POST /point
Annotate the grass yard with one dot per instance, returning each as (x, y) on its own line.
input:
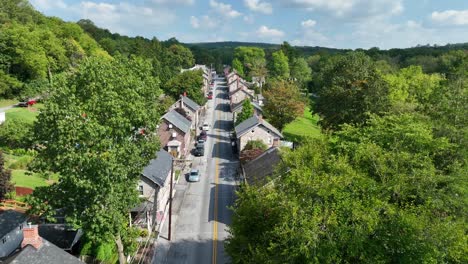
(20, 176)
(7, 102)
(304, 126)
(28, 114)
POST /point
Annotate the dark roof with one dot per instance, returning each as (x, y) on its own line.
(145, 206)
(257, 170)
(252, 122)
(60, 235)
(178, 120)
(190, 103)
(48, 253)
(9, 220)
(159, 168)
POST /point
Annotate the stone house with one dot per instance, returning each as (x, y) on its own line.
(239, 95)
(191, 109)
(11, 231)
(255, 128)
(237, 108)
(174, 133)
(154, 186)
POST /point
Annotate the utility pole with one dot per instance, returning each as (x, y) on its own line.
(170, 201)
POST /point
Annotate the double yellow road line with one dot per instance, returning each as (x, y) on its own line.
(216, 181)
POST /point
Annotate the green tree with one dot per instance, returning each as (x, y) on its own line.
(279, 67)
(289, 51)
(350, 87)
(15, 134)
(246, 113)
(256, 144)
(300, 71)
(248, 56)
(97, 132)
(237, 65)
(189, 82)
(283, 103)
(5, 179)
(180, 57)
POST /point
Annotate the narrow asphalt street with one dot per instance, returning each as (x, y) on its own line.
(201, 218)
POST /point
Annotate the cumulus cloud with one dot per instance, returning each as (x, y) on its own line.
(308, 23)
(349, 9)
(451, 17)
(265, 32)
(48, 4)
(174, 2)
(205, 22)
(224, 9)
(259, 6)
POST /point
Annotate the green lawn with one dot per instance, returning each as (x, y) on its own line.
(304, 126)
(20, 178)
(7, 102)
(28, 114)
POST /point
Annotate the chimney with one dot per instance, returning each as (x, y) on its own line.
(31, 236)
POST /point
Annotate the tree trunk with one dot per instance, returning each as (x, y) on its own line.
(120, 249)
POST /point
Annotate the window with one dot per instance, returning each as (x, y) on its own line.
(140, 189)
(21, 226)
(4, 240)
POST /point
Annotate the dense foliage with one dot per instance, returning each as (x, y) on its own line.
(189, 83)
(5, 179)
(97, 132)
(246, 112)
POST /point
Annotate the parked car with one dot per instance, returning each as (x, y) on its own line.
(200, 149)
(203, 135)
(27, 103)
(200, 141)
(206, 127)
(209, 96)
(194, 175)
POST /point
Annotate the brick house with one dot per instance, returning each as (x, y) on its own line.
(154, 186)
(255, 128)
(174, 133)
(191, 109)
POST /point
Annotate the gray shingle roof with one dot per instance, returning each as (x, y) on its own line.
(238, 107)
(60, 235)
(159, 168)
(252, 122)
(48, 253)
(257, 170)
(178, 120)
(190, 103)
(10, 220)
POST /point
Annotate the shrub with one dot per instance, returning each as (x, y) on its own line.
(15, 134)
(21, 163)
(256, 144)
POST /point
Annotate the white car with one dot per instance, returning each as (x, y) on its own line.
(206, 127)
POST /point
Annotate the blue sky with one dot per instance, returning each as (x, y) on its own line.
(330, 23)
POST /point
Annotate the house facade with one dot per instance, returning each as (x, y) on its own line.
(239, 95)
(174, 133)
(153, 186)
(11, 231)
(255, 128)
(191, 109)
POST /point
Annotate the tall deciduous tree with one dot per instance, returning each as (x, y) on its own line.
(237, 65)
(249, 56)
(5, 178)
(97, 132)
(246, 113)
(189, 82)
(279, 67)
(350, 88)
(283, 103)
(300, 71)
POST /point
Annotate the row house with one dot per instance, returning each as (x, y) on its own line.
(189, 108)
(256, 128)
(174, 133)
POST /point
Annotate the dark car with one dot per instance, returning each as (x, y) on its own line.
(203, 135)
(200, 150)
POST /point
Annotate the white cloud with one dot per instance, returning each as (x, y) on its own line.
(259, 6)
(224, 9)
(249, 19)
(48, 4)
(125, 18)
(265, 32)
(308, 23)
(205, 22)
(349, 9)
(451, 17)
(176, 2)
(194, 22)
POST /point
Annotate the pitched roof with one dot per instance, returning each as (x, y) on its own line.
(257, 170)
(252, 122)
(178, 120)
(238, 107)
(48, 253)
(242, 89)
(9, 220)
(60, 235)
(190, 103)
(159, 168)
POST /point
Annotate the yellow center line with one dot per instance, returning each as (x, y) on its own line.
(216, 180)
